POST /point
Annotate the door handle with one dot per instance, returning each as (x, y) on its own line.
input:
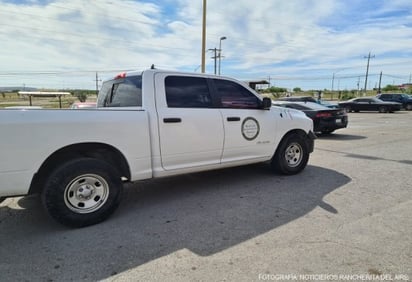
(172, 120)
(233, 119)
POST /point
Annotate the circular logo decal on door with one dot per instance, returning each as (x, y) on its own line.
(250, 128)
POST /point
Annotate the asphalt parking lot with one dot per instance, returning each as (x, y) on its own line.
(347, 217)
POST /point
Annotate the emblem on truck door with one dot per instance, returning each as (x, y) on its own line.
(250, 128)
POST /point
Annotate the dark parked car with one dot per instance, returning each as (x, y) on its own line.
(309, 99)
(404, 99)
(325, 120)
(369, 104)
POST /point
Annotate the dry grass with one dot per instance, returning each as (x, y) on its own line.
(13, 99)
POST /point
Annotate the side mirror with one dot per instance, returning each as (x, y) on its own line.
(266, 103)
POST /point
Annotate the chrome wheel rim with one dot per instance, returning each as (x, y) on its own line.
(86, 193)
(294, 154)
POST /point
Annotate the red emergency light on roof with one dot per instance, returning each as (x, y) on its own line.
(120, 75)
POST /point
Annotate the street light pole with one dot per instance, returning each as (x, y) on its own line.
(220, 50)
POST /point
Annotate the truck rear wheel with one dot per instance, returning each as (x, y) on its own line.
(82, 192)
(292, 155)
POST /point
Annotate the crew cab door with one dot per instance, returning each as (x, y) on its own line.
(190, 129)
(249, 130)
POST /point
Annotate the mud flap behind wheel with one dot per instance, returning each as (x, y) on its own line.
(311, 141)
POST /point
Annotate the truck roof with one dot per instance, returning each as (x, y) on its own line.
(137, 72)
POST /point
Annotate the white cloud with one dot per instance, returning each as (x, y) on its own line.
(283, 39)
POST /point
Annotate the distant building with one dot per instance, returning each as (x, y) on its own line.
(254, 84)
(405, 86)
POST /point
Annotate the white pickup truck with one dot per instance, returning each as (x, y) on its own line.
(147, 124)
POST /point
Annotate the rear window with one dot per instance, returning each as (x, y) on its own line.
(124, 92)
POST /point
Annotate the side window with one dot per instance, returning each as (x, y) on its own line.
(187, 92)
(125, 92)
(233, 95)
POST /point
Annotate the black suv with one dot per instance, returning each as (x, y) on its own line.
(404, 99)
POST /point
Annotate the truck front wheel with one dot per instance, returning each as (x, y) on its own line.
(292, 155)
(82, 192)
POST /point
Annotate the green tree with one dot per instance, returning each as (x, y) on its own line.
(276, 91)
(297, 89)
(390, 87)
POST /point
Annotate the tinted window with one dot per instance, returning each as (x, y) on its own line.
(313, 106)
(385, 96)
(125, 92)
(233, 95)
(187, 92)
(297, 106)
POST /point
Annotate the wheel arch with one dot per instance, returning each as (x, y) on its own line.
(100, 151)
(309, 137)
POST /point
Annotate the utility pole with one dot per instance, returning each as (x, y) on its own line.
(204, 37)
(215, 56)
(97, 83)
(380, 80)
(367, 71)
(270, 79)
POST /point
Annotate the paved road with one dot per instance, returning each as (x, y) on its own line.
(349, 213)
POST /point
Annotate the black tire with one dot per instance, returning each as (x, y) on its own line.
(82, 192)
(348, 109)
(382, 109)
(292, 155)
(408, 107)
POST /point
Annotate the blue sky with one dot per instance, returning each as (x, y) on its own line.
(296, 43)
